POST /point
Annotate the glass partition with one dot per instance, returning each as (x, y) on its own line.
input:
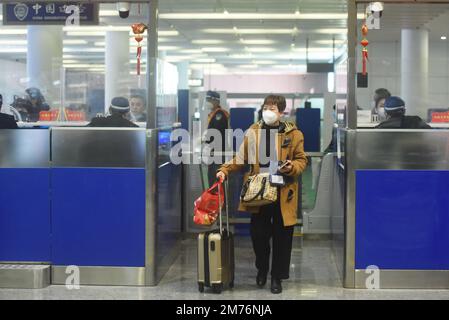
(68, 74)
(405, 56)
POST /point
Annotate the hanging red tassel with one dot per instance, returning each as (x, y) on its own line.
(138, 30)
(364, 43)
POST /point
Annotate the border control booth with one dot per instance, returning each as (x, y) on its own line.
(99, 199)
(391, 219)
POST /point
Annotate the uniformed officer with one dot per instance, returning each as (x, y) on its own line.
(218, 119)
(119, 110)
(6, 121)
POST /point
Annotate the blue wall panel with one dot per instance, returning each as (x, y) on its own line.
(25, 215)
(240, 118)
(402, 219)
(308, 121)
(98, 216)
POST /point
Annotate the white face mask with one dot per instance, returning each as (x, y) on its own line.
(381, 114)
(269, 117)
(209, 105)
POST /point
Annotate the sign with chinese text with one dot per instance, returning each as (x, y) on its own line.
(44, 13)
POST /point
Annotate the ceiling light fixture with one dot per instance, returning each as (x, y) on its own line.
(207, 41)
(256, 16)
(214, 49)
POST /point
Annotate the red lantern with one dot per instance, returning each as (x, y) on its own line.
(364, 43)
(138, 30)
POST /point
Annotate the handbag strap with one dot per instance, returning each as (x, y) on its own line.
(261, 191)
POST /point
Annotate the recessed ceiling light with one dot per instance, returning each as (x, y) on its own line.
(207, 41)
(261, 49)
(257, 41)
(168, 33)
(256, 16)
(205, 60)
(248, 31)
(215, 49)
(13, 31)
(167, 48)
(443, 37)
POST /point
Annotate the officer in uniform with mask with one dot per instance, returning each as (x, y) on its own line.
(218, 119)
(119, 110)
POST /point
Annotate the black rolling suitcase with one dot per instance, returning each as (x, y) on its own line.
(216, 256)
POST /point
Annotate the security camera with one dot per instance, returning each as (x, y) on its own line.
(376, 7)
(123, 9)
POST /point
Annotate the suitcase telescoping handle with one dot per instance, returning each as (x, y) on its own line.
(225, 186)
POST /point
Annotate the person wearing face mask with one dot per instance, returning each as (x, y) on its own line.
(266, 144)
(218, 119)
(380, 95)
(396, 118)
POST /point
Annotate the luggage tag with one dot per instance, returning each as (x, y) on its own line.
(275, 179)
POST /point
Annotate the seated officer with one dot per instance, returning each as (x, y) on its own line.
(118, 110)
(396, 118)
(6, 121)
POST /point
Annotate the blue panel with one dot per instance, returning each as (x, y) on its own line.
(183, 108)
(25, 215)
(241, 118)
(98, 217)
(308, 121)
(402, 219)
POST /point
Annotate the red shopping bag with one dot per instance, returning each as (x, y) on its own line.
(207, 206)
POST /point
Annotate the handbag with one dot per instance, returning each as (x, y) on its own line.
(207, 206)
(258, 191)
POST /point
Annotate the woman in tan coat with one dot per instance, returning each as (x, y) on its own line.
(267, 144)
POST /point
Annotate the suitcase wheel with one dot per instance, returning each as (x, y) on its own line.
(217, 288)
(201, 287)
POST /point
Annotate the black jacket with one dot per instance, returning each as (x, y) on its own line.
(7, 121)
(219, 120)
(115, 120)
(404, 122)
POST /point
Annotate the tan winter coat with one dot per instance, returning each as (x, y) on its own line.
(291, 141)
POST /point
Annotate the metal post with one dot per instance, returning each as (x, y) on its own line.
(151, 207)
(152, 55)
(351, 124)
(351, 108)
(152, 148)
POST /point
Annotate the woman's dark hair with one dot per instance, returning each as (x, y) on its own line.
(276, 100)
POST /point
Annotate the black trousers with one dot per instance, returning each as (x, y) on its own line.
(265, 225)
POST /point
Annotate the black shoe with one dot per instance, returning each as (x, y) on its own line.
(276, 286)
(261, 279)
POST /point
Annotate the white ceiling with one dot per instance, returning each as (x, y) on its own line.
(212, 34)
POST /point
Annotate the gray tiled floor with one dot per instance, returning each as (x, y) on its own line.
(313, 276)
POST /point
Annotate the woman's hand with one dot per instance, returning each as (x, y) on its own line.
(221, 176)
(287, 168)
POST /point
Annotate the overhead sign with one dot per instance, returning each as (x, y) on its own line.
(44, 13)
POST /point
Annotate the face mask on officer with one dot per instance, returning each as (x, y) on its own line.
(209, 105)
